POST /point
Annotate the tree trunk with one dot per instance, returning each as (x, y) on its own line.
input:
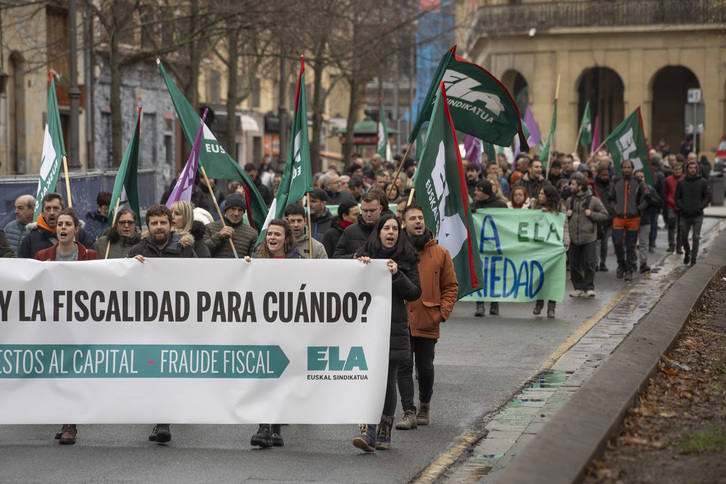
(233, 70)
(117, 124)
(350, 127)
(318, 102)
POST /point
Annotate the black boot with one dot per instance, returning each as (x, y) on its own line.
(538, 307)
(277, 435)
(263, 437)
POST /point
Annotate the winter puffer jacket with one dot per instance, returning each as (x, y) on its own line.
(583, 228)
(120, 246)
(406, 287)
(178, 246)
(692, 194)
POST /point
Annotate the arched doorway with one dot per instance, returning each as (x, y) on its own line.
(518, 88)
(603, 88)
(669, 89)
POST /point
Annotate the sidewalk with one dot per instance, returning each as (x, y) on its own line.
(560, 449)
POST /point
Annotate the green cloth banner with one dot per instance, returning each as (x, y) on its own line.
(522, 255)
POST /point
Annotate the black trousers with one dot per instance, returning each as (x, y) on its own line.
(422, 356)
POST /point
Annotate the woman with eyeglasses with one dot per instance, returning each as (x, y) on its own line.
(119, 239)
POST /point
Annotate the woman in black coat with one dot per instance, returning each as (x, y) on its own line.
(386, 242)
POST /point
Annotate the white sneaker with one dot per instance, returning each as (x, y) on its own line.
(590, 293)
(577, 293)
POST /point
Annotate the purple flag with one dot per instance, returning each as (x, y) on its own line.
(595, 135)
(531, 130)
(535, 137)
(472, 145)
(185, 184)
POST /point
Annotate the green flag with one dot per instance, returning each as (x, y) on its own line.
(545, 154)
(54, 150)
(382, 146)
(479, 104)
(440, 188)
(125, 188)
(586, 128)
(216, 162)
(297, 179)
(490, 151)
(627, 142)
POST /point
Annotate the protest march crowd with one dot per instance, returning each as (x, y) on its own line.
(599, 206)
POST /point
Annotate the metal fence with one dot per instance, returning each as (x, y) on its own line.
(84, 189)
(550, 15)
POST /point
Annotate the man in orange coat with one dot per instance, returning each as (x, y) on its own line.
(438, 294)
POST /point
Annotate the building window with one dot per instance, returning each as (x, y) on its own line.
(57, 28)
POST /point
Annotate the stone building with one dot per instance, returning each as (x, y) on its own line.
(617, 55)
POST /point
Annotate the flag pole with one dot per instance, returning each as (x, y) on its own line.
(310, 226)
(398, 171)
(108, 239)
(216, 205)
(596, 150)
(549, 155)
(577, 141)
(68, 182)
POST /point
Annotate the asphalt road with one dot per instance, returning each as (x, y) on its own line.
(480, 364)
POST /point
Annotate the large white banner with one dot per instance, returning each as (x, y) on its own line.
(193, 341)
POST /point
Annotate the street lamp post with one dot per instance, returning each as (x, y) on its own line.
(74, 93)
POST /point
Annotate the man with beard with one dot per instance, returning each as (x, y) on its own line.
(218, 233)
(41, 234)
(626, 200)
(533, 181)
(295, 216)
(162, 241)
(439, 289)
(692, 196)
(355, 236)
(472, 178)
(584, 211)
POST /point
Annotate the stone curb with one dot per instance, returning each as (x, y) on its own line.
(580, 431)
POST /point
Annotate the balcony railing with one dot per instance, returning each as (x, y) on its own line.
(544, 16)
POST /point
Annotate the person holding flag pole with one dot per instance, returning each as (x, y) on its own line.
(125, 188)
(480, 105)
(185, 184)
(213, 157)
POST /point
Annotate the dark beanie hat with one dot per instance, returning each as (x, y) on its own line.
(319, 194)
(485, 186)
(235, 199)
(556, 163)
